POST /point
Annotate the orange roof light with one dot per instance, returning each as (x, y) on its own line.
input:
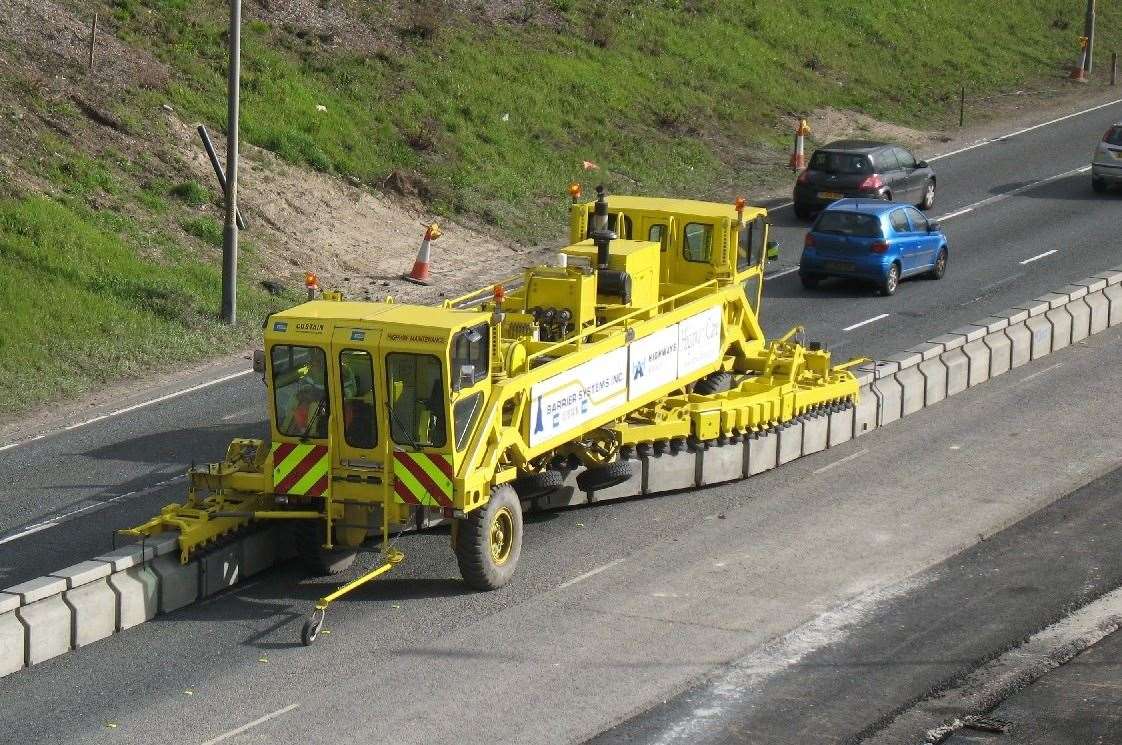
(500, 294)
(574, 191)
(310, 280)
(741, 202)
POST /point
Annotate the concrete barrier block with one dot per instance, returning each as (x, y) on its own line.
(949, 341)
(1074, 291)
(865, 374)
(928, 350)
(1035, 308)
(137, 590)
(164, 543)
(958, 371)
(816, 434)
(94, 609)
(1061, 327)
(904, 360)
(220, 568)
(979, 356)
(1041, 332)
(671, 471)
(1093, 284)
(1113, 295)
(1054, 299)
(934, 374)
(83, 573)
(13, 643)
(47, 627)
(790, 442)
(970, 332)
(1080, 319)
(867, 412)
(8, 602)
(178, 583)
(840, 428)
(891, 395)
(1000, 352)
(719, 464)
(992, 323)
(129, 556)
(1014, 315)
(1112, 277)
(1020, 344)
(763, 453)
(885, 368)
(37, 589)
(1100, 312)
(912, 389)
(259, 551)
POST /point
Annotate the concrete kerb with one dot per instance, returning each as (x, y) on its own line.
(1080, 313)
(1061, 327)
(1041, 335)
(1113, 295)
(1099, 308)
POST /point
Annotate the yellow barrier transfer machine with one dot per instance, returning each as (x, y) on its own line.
(644, 336)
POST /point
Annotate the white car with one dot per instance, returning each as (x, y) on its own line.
(1106, 163)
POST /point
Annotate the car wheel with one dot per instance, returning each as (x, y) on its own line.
(940, 267)
(887, 196)
(891, 281)
(810, 281)
(928, 196)
(802, 211)
(1098, 185)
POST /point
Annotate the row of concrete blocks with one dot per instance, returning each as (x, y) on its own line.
(892, 388)
(48, 616)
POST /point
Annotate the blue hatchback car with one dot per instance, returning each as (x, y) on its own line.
(872, 240)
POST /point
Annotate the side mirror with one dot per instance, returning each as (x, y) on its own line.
(922, 164)
(259, 361)
(932, 226)
(466, 377)
(772, 250)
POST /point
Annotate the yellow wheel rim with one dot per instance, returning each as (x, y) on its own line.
(502, 536)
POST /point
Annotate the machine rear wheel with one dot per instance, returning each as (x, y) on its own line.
(536, 484)
(308, 537)
(488, 543)
(717, 382)
(604, 477)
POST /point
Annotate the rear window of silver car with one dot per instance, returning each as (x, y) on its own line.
(848, 223)
(843, 163)
(1113, 136)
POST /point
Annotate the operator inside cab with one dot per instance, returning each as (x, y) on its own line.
(300, 390)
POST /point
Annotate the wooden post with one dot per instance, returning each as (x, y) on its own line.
(961, 105)
(1114, 68)
(93, 35)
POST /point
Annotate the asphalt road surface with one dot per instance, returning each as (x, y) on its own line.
(684, 591)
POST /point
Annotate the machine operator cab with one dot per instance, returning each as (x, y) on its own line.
(351, 374)
(699, 241)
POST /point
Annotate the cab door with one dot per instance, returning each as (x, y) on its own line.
(659, 229)
(354, 421)
(751, 258)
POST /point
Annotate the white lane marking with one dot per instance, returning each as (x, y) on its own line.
(987, 141)
(952, 215)
(127, 409)
(92, 507)
(251, 725)
(26, 532)
(866, 322)
(1039, 256)
(1014, 192)
(838, 462)
(782, 273)
(586, 575)
(239, 414)
(1041, 372)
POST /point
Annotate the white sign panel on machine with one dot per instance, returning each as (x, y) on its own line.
(699, 340)
(653, 361)
(571, 398)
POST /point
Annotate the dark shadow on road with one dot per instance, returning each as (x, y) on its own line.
(202, 444)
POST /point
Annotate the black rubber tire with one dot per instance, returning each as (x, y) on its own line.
(308, 538)
(810, 281)
(940, 268)
(311, 630)
(536, 484)
(604, 477)
(717, 382)
(891, 282)
(928, 200)
(802, 211)
(472, 542)
(1098, 185)
(887, 196)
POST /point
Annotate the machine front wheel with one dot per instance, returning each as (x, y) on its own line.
(488, 543)
(308, 536)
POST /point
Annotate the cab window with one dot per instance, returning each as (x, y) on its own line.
(300, 391)
(470, 356)
(613, 222)
(750, 248)
(697, 242)
(416, 393)
(464, 414)
(356, 374)
(657, 234)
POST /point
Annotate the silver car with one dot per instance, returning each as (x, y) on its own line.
(1106, 163)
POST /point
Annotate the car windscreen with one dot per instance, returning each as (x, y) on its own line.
(1113, 136)
(848, 223)
(840, 163)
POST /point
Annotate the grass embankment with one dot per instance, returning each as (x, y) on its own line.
(117, 272)
(675, 96)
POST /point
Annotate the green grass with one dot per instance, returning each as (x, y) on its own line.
(670, 96)
(82, 309)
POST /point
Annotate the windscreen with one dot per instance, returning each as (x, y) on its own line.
(1113, 136)
(840, 163)
(300, 391)
(848, 223)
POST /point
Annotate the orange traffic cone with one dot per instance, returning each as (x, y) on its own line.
(1079, 73)
(420, 273)
(798, 155)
